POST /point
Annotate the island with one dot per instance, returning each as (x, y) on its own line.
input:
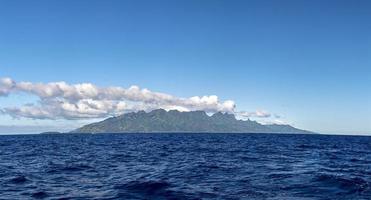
(173, 121)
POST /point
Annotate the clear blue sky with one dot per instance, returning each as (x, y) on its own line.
(309, 61)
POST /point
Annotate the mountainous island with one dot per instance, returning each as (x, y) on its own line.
(186, 122)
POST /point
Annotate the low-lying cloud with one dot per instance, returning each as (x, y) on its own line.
(258, 113)
(79, 101)
(60, 100)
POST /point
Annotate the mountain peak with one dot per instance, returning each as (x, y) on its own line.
(225, 116)
(160, 110)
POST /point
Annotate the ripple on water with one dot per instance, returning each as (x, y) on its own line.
(348, 185)
(19, 179)
(150, 189)
(53, 168)
(39, 195)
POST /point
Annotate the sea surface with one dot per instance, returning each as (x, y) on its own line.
(185, 166)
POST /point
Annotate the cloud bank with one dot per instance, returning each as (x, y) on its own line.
(60, 100)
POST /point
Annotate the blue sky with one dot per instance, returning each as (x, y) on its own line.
(306, 61)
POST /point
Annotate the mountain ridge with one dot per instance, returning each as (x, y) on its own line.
(175, 121)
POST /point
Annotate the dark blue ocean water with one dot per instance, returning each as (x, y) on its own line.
(185, 166)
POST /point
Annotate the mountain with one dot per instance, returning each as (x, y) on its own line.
(175, 121)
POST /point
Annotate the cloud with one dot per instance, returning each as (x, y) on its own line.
(258, 114)
(6, 85)
(273, 121)
(60, 100)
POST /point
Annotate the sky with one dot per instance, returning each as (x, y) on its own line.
(304, 63)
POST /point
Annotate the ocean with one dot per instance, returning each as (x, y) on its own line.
(185, 166)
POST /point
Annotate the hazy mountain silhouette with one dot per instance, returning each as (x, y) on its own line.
(175, 121)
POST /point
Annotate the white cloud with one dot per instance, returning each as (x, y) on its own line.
(258, 114)
(60, 100)
(6, 85)
(273, 121)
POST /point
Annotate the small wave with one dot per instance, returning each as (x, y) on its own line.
(68, 168)
(306, 146)
(76, 168)
(145, 186)
(208, 166)
(150, 190)
(352, 185)
(279, 175)
(18, 179)
(39, 195)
